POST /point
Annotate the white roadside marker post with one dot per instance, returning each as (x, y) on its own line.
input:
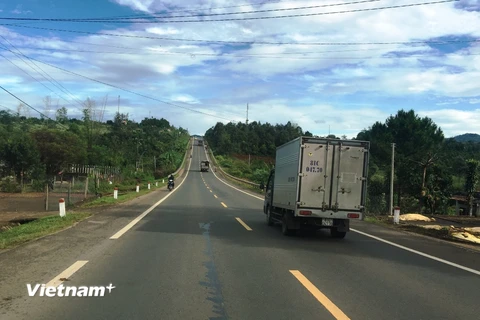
(61, 207)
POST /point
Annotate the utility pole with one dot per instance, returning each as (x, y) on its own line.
(391, 178)
(248, 143)
(118, 107)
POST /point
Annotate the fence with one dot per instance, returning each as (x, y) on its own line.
(89, 170)
(76, 190)
(74, 187)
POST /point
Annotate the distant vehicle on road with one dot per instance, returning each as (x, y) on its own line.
(204, 166)
(317, 183)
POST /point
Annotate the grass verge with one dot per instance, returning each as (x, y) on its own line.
(39, 228)
(436, 233)
(108, 200)
(245, 186)
(444, 233)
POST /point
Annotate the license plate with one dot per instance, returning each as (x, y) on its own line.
(327, 222)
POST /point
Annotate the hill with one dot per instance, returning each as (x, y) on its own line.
(467, 137)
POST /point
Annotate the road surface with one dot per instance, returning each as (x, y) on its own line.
(206, 252)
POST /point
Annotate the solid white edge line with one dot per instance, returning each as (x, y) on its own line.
(140, 217)
(377, 238)
(251, 195)
(55, 282)
(418, 252)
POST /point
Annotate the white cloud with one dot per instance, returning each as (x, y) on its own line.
(281, 82)
(186, 98)
(454, 121)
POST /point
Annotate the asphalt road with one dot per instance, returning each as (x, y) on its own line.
(206, 252)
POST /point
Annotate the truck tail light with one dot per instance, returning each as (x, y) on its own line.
(305, 213)
(353, 215)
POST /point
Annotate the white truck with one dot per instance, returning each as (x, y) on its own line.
(318, 183)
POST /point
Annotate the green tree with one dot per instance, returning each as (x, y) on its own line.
(418, 145)
(58, 148)
(471, 182)
(61, 115)
(20, 154)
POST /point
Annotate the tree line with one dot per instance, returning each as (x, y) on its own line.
(39, 148)
(429, 168)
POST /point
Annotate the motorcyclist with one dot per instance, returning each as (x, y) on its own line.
(171, 179)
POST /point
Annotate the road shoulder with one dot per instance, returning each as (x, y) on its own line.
(40, 260)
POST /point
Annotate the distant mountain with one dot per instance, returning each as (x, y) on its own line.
(467, 137)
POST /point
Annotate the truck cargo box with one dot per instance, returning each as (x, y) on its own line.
(317, 173)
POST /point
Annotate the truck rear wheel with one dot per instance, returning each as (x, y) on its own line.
(334, 233)
(285, 230)
(269, 216)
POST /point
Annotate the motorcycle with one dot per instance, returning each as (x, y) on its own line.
(170, 184)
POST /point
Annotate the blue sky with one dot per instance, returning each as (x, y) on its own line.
(339, 70)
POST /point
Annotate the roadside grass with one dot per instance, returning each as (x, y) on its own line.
(444, 233)
(246, 186)
(372, 219)
(108, 200)
(38, 228)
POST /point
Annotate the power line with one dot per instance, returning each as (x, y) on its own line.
(300, 15)
(194, 53)
(30, 106)
(59, 86)
(281, 55)
(203, 9)
(44, 85)
(120, 20)
(255, 18)
(130, 91)
(437, 42)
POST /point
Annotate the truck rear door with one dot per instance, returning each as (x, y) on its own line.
(350, 174)
(316, 164)
(333, 175)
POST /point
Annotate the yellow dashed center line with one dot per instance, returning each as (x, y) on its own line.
(244, 224)
(215, 196)
(223, 204)
(211, 191)
(329, 305)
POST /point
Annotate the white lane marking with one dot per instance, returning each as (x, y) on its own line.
(251, 195)
(381, 240)
(418, 252)
(140, 217)
(66, 273)
(243, 224)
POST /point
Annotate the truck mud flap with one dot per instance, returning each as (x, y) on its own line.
(342, 225)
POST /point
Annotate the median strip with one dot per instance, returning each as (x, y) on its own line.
(66, 274)
(327, 303)
(244, 224)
